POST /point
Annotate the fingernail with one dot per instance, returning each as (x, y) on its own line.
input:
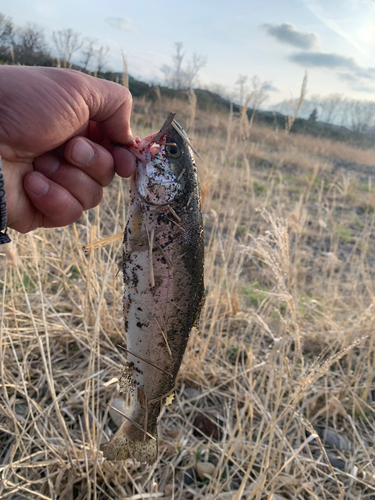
(47, 164)
(82, 153)
(37, 184)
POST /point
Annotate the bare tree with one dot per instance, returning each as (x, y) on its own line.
(362, 115)
(29, 45)
(31, 38)
(88, 52)
(167, 71)
(332, 104)
(6, 34)
(194, 65)
(173, 74)
(101, 56)
(177, 59)
(178, 77)
(257, 96)
(260, 92)
(343, 114)
(328, 106)
(67, 42)
(242, 88)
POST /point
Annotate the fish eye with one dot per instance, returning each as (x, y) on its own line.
(173, 150)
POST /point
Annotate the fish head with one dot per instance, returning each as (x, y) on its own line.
(159, 175)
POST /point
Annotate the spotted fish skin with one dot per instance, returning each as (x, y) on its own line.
(164, 288)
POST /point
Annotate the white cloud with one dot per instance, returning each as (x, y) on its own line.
(120, 23)
(288, 33)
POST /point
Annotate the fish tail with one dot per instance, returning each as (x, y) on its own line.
(122, 447)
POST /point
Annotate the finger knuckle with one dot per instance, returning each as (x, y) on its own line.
(95, 198)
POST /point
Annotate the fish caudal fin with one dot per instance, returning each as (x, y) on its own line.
(122, 447)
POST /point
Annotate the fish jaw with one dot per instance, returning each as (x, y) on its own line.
(154, 177)
(155, 180)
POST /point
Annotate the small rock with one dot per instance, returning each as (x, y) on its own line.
(191, 393)
(189, 477)
(204, 470)
(335, 460)
(173, 433)
(333, 438)
(120, 405)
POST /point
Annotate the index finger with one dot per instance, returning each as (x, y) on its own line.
(112, 111)
(108, 103)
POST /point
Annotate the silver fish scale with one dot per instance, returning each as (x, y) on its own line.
(164, 293)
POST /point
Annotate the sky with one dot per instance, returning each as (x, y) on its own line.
(274, 39)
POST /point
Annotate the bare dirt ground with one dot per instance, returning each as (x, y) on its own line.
(276, 395)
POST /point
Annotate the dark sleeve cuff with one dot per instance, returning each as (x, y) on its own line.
(4, 238)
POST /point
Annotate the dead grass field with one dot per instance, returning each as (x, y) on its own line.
(276, 395)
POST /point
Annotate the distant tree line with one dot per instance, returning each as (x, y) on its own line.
(24, 45)
(334, 109)
(28, 45)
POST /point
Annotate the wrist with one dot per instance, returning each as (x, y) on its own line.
(4, 238)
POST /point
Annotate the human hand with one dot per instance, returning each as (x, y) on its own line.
(58, 130)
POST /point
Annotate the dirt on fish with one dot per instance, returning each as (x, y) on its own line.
(163, 276)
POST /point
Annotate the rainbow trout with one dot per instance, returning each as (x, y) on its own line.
(163, 276)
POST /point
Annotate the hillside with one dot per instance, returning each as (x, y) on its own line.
(212, 102)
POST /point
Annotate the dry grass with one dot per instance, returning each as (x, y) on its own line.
(291, 119)
(285, 348)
